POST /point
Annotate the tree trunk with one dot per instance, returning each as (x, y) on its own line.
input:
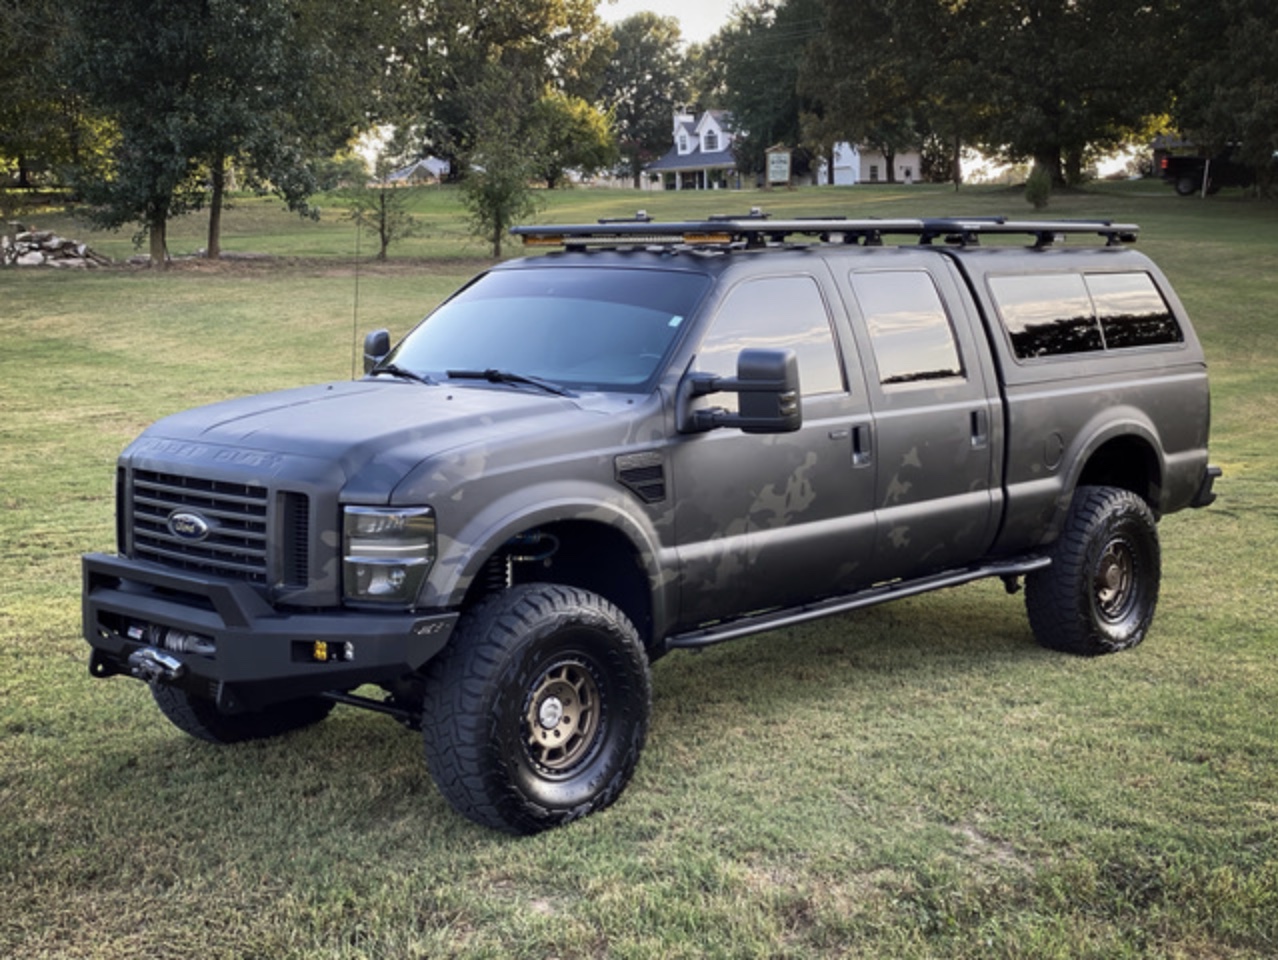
(1049, 159)
(157, 229)
(1074, 167)
(213, 251)
(957, 168)
(889, 161)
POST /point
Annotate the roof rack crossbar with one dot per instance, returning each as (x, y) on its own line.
(757, 230)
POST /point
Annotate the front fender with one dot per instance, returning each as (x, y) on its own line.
(463, 553)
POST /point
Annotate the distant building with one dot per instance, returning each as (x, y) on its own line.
(854, 164)
(701, 158)
(426, 170)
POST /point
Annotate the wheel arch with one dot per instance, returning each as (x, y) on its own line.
(597, 543)
(1124, 452)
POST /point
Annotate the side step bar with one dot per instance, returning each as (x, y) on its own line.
(789, 616)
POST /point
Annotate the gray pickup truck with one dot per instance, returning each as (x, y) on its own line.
(657, 436)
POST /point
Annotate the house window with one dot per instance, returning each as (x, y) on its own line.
(683, 143)
(874, 171)
(711, 140)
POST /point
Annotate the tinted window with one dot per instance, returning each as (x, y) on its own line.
(1131, 310)
(1047, 315)
(908, 326)
(588, 328)
(773, 313)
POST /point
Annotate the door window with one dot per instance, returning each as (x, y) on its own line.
(909, 328)
(774, 313)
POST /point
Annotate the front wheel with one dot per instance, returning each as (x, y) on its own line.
(1099, 594)
(536, 712)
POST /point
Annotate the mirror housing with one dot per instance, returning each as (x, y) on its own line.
(767, 383)
(376, 346)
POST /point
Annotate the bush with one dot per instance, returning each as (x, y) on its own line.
(1038, 187)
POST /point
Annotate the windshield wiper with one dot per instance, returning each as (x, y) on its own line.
(506, 376)
(395, 370)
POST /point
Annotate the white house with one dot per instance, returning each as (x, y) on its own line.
(854, 164)
(701, 158)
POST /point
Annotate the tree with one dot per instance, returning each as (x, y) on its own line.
(382, 210)
(1229, 93)
(446, 48)
(39, 124)
(642, 86)
(895, 74)
(193, 87)
(564, 132)
(762, 49)
(1063, 79)
(496, 190)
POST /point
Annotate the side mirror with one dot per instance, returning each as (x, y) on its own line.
(767, 383)
(376, 345)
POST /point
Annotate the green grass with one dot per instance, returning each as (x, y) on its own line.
(915, 780)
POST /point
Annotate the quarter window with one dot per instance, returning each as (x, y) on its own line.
(1049, 315)
(909, 328)
(774, 313)
(1131, 310)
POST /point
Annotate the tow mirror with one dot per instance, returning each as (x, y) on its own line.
(376, 345)
(767, 383)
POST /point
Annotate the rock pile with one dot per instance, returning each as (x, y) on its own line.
(43, 248)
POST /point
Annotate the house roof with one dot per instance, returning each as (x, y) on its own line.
(695, 159)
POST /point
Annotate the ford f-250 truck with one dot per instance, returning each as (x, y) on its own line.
(661, 436)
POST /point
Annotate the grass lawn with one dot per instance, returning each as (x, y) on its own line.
(916, 780)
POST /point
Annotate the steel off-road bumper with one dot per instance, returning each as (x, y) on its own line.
(221, 640)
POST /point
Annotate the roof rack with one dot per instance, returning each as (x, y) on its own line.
(757, 230)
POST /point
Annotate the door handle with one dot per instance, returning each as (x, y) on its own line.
(980, 429)
(862, 445)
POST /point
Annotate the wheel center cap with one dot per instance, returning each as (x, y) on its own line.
(550, 713)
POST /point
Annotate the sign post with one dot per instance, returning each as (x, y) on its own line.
(778, 166)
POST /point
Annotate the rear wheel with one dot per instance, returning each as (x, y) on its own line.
(1188, 186)
(203, 720)
(1099, 594)
(537, 711)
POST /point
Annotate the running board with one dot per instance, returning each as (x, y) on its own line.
(789, 616)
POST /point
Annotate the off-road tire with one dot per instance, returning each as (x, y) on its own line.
(536, 712)
(203, 720)
(1099, 594)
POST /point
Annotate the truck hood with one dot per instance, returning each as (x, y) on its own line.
(371, 432)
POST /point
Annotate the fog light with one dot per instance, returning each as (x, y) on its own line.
(319, 650)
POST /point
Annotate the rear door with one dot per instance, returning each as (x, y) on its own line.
(936, 416)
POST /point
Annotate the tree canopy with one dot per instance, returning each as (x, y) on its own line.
(641, 86)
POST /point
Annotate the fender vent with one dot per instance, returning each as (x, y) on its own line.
(644, 475)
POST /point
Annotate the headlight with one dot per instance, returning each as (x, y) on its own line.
(386, 552)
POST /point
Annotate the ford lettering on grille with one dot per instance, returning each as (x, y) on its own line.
(188, 526)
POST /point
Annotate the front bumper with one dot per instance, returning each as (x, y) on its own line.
(249, 654)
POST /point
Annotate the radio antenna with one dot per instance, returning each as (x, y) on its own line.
(355, 308)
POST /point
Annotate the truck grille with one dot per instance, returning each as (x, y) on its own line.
(238, 521)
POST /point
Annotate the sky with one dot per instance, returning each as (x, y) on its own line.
(699, 20)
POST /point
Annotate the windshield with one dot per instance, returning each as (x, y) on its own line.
(588, 328)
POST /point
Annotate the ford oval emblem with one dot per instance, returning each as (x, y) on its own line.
(186, 525)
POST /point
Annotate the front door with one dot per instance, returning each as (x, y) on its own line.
(764, 521)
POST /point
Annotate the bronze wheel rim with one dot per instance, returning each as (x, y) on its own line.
(562, 719)
(1115, 581)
